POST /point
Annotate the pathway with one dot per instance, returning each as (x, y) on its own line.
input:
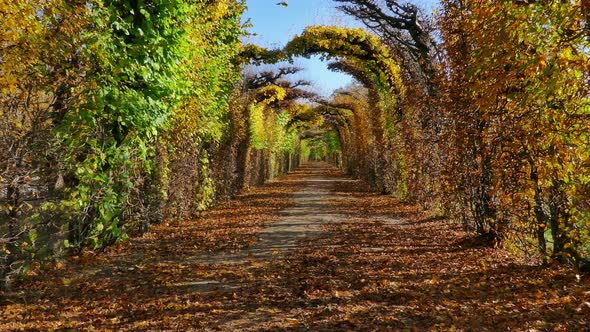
(303, 220)
(312, 251)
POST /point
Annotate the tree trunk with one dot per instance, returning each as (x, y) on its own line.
(539, 213)
(11, 218)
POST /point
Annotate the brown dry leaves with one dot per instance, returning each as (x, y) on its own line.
(385, 267)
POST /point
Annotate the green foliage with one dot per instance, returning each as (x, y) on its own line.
(202, 123)
(305, 150)
(257, 127)
(287, 137)
(332, 142)
(136, 51)
(209, 71)
(269, 130)
(105, 103)
(206, 188)
(266, 129)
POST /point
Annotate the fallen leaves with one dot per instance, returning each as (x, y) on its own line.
(362, 273)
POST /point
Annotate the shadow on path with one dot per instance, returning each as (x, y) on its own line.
(302, 221)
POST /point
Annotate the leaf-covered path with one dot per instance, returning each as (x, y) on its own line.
(311, 251)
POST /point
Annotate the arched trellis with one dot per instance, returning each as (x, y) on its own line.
(355, 45)
(341, 118)
(363, 56)
(377, 93)
(312, 122)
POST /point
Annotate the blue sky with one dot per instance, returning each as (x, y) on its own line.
(275, 25)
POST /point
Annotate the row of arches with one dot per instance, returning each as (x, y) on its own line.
(357, 115)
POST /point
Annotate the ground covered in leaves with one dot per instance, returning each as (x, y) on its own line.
(378, 265)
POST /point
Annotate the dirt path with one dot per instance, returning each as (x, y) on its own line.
(310, 210)
(312, 251)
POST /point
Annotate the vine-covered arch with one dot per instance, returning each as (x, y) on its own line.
(363, 56)
(355, 45)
